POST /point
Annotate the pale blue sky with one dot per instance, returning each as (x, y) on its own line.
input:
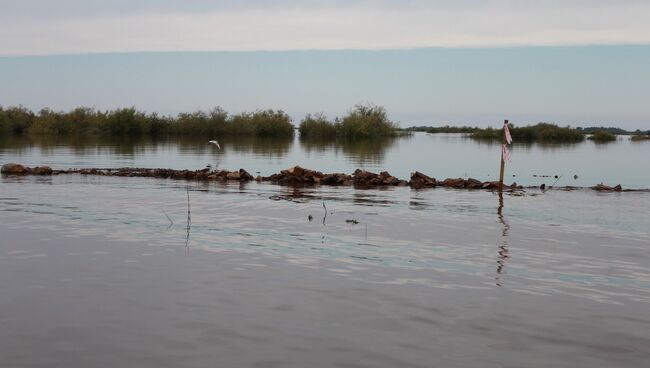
(578, 62)
(569, 85)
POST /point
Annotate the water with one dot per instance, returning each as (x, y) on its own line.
(106, 271)
(440, 155)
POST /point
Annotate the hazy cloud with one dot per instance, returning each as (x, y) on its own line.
(35, 27)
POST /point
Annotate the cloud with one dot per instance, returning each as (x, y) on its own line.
(47, 27)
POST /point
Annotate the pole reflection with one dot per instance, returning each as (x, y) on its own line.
(188, 228)
(503, 252)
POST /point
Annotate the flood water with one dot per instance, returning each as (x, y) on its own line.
(110, 271)
(438, 155)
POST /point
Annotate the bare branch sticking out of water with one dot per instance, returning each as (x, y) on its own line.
(171, 222)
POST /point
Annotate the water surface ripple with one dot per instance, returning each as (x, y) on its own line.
(102, 271)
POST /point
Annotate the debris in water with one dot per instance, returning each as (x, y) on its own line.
(310, 218)
(352, 221)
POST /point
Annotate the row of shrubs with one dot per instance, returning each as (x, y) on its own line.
(131, 122)
(543, 132)
(361, 121)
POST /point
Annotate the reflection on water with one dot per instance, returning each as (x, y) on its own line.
(189, 222)
(93, 265)
(361, 152)
(438, 155)
(503, 253)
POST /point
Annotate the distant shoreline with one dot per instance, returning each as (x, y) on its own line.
(540, 132)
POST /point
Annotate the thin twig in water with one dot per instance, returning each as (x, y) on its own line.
(556, 180)
(324, 217)
(168, 218)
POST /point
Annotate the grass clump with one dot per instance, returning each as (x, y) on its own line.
(602, 136)
(543, 132)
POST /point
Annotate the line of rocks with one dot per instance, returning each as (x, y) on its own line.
(293, 176)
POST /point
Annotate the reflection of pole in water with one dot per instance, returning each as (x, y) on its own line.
(503, 253)
(189, 222)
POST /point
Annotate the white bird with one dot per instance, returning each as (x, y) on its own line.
(215, 143)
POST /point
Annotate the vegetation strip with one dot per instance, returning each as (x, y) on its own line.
(294, 176)
(542, 132)
(362, 121)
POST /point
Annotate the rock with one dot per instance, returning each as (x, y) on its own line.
(41, 170)
(233, 175)
(473, 184)
(329, 179)
(391, 180)
(14, 169)
(606, 188)
(296, 171)
(419, 180)
(487, 185)
(366, 178)
(454, 183)
(244, 175)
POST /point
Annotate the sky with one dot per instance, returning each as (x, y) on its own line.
(578, 62)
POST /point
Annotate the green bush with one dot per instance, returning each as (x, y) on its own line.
(264, 123)
(365, 121)
(602, 136)
(131, 122)
(317, 127)
(15, 120)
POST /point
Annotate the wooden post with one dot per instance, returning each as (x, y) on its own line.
(503, 163)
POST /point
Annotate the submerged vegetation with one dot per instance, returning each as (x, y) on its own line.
(543, 132)
(442, 129)
(131, 122)
(640, 137)
(363, 121)
(602, 136)
(317, 127)
(613, 130)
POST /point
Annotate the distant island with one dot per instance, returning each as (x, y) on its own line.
(542, 132)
